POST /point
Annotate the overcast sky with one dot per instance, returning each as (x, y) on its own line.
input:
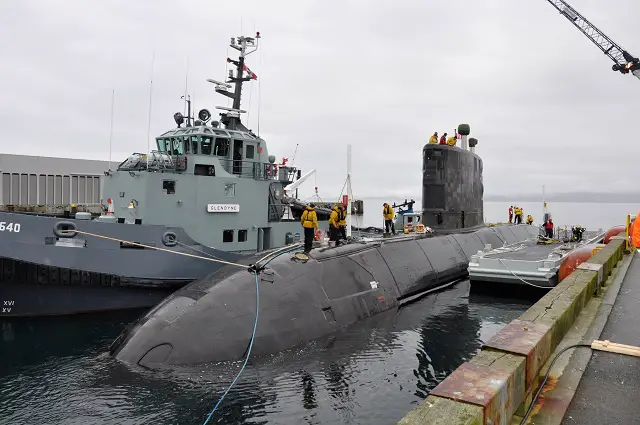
(380, 75)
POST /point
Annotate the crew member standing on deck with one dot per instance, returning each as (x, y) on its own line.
(334, 224)
(343, 222)
(443, 139)
(309, 222)
(388, 213)
(549, 227)
(434, 139)
(510, 214)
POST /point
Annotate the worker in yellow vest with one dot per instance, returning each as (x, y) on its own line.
(343, 222)
(387, 214)
(451, 141)
(434, 139)
(334, 224)
(529, 220)
(309, 222)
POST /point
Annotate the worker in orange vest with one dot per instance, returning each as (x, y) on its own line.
(549, 227)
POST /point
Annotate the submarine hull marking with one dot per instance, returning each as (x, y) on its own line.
(373, 261)
(305, 302)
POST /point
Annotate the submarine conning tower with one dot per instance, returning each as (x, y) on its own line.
(452, 187)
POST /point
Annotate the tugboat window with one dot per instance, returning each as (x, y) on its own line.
(186, 144)
(169, 186)
(221, 147)
(227, 236)
(250, 151)
(176, 147)
(242, 235)
(194, 144)
(206, 145)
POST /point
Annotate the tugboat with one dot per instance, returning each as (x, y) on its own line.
(210, 189)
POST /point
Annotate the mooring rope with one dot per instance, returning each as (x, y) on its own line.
(215, 260)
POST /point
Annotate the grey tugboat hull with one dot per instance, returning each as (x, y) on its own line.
(45, 275)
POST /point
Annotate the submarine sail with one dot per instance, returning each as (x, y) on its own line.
(452, 190)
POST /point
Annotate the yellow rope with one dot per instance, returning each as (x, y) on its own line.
(244, 266)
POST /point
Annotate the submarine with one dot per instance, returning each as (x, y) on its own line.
(306, 297)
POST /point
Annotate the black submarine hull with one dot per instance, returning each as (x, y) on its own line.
(212, 319)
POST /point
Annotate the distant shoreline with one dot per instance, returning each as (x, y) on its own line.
(591, 198)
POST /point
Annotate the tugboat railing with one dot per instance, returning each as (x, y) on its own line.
(258, 170)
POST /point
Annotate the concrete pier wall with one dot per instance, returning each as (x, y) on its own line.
(500, 380)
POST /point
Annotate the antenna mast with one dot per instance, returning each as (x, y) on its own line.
(231, 119)
(113, 96)
(348, 191)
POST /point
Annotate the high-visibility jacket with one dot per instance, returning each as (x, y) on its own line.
(334, 218)
(343, 217)
(529, 219)
(433, 139)
(451, 141)
(635, 234)
(309, 218)
(387, 212)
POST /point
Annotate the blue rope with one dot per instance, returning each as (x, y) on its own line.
(253, 336)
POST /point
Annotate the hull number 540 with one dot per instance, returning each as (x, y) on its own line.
(9, 227)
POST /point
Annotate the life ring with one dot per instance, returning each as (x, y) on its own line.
(67, 232)
(272, 170)
(317, 235)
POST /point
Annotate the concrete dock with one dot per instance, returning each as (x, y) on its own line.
(497, 386)
(609, 390)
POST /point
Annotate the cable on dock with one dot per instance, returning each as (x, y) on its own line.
(610, 347)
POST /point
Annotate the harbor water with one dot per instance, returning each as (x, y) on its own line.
(58, 371)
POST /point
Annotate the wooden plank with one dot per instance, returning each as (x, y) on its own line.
(612, 347)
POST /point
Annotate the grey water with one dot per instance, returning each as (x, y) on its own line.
(58, 371)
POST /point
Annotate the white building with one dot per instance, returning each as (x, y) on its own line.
(37, 180)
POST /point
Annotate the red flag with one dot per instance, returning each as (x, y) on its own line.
(248, 71)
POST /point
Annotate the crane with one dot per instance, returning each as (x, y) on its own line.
(624, 62)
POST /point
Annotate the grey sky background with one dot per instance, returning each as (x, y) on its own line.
(380, 75)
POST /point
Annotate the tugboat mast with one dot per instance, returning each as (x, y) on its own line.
(231, 119)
